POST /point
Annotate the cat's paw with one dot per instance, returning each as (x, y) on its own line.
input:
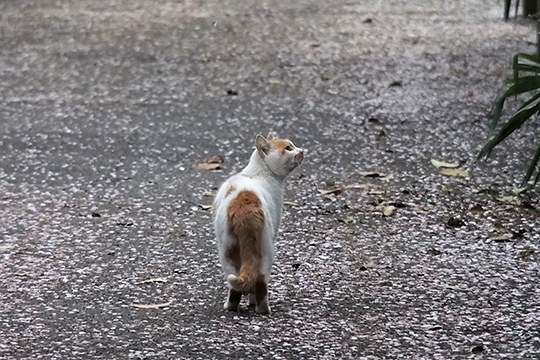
(263, 309)
(229, 306)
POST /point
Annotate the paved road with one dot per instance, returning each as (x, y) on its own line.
(107, 107)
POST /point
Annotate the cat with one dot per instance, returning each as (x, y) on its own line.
(247, 215)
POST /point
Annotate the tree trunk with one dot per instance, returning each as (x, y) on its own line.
(537, 31)
(529, 7)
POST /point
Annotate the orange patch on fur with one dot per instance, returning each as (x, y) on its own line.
(281, 145)
(246, 224)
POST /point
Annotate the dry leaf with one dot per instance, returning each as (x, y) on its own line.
(333, 191)
(212, 162)
(387, 178)
(210, 166)
(503, 238)
(387, 210)
(455, 172)
(124, 222)
(214, 159)
(527, 254)
(369, 264)
(360, 186)
(291, 203)
(517, 190)
(419, 210)
(442, 164)
(205, 207)
(447, 190)
(152, 306)
(329, 183)
(348, 220)
(399, 204)
(372, 174)
(153, 280)
(370, 188)
(488, 191)
(512, 200)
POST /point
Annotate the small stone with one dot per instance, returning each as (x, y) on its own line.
(454, 222)
(478, 349)
(477, 209)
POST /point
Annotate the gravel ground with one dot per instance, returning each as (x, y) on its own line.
(107, 108)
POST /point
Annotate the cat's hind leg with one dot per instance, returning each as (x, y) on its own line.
(252, 299)
(233, 300)
(261, 296)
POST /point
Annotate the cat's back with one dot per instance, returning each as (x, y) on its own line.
(266, 192)
(236, 184)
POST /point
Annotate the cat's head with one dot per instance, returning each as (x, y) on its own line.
(281, 156)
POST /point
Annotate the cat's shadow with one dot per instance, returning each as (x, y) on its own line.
(248, 311)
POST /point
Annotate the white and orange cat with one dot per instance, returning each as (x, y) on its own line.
(247, 214)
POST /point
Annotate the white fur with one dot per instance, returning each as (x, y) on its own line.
(264, 175)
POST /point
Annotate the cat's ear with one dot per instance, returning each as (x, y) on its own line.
(270, 137)
(263, 145)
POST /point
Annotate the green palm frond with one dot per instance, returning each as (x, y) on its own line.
(518, 85)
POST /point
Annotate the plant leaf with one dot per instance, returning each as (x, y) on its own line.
(530, 169)
(517, 86)
(537, 178)
(525, 62)
(523, 84)
(520, 116)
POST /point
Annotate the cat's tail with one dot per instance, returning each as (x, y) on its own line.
(246, 224)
